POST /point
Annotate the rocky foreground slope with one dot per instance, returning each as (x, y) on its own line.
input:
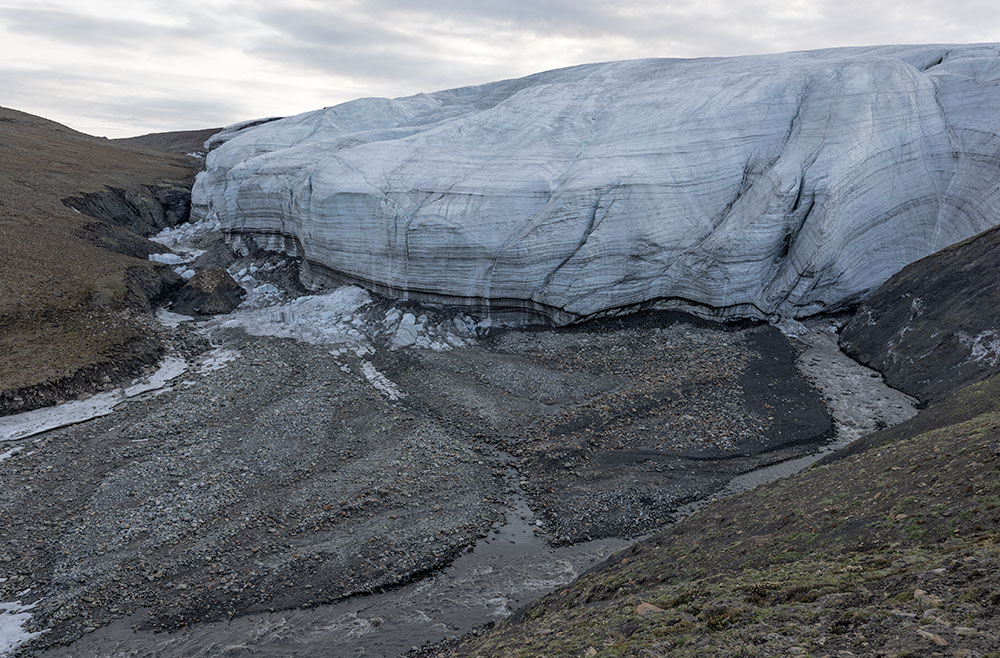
(887, 548)
(75, 283)
(782, 184)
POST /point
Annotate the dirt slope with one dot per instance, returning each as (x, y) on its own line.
(934, 326)
(72, 303)
(181, 142)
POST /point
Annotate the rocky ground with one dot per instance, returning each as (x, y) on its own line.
(932, 327)
(887, 549)
(282, 480)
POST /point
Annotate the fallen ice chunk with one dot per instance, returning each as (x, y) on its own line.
(317, 319)
(169, 259)
(381, 383)
(791, 327)
(188, 232)
(406, 333)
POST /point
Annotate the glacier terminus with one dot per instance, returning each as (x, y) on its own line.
(759, 186)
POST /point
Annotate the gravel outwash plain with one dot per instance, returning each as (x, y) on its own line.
(285, 482)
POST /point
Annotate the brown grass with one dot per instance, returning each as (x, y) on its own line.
(65, 306)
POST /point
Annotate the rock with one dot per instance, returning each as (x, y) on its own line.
(753, 186)
(217, 254)
(145, 212)
(932, 637)
(647, 609)
(209, 292)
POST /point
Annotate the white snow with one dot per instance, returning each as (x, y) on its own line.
(217, 359)
(381, 383)
(985, 347)
(8, 454)
(13, 618)
(171, 319)
(171, 368)
(169, 259)
(29, 423)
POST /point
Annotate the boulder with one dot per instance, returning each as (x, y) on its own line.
(209, 292)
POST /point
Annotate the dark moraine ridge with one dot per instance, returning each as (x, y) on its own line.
(934, 326)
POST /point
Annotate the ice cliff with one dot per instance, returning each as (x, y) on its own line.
(780, 184)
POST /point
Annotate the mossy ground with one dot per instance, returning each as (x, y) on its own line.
(893, 549)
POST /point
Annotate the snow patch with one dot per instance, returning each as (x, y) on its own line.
(985, 347)
(217, 359)
(170, 319)
(381, 383)
(13, 618)
(29, 423)
(171, 368)
(7, 455)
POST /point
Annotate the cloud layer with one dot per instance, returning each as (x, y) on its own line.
(117, 69)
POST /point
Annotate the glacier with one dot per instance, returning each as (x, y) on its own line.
(761, 186)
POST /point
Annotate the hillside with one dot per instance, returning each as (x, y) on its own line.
(74, 290)
(933, 327)
(181, 142)
(888, 548)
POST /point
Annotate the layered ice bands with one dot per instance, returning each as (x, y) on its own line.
(781, 184)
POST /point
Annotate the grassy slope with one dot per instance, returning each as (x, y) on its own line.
(68, 307)
(891, 550)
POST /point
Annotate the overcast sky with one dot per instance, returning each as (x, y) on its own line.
(123, 68)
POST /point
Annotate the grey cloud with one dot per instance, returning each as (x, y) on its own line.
(400, 46)
(69, 27)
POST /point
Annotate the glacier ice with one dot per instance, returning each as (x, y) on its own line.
(762, 186)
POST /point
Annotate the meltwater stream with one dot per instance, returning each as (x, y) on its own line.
(504, 571)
